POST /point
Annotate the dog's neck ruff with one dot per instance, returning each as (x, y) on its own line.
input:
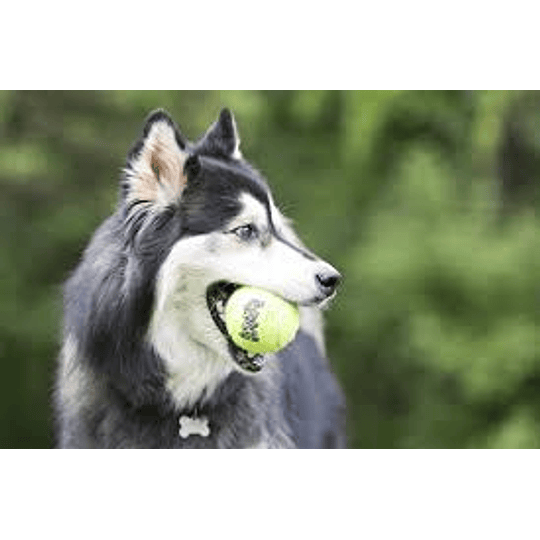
(193, 425)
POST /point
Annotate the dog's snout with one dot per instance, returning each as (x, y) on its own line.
(328, 281)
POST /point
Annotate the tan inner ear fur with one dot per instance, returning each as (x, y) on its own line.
(157, 175)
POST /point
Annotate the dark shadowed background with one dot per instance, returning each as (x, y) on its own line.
(425, 201)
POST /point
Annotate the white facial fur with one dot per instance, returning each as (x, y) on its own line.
(182, 330)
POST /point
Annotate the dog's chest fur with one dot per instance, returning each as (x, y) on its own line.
(241, 413)
(294, 402)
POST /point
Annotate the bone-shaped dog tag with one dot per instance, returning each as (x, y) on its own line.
(193, 426)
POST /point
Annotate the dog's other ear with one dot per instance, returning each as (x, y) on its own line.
(221, 139)
(154, 170)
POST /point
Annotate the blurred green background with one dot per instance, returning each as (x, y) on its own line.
(425, 201)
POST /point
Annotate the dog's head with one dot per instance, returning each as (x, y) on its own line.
(202, 221)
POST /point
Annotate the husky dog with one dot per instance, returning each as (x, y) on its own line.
(146, 360)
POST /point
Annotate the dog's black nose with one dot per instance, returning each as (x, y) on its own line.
(327, 281)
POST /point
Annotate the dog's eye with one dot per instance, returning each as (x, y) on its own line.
(246, 232)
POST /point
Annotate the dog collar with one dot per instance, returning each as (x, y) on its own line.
(193, 425)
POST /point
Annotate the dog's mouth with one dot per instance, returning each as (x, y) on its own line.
(217, 295)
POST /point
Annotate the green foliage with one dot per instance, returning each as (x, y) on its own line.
(426, 201)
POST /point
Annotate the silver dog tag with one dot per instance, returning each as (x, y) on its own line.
(196, 425)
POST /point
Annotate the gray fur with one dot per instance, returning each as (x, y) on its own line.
(294, 402)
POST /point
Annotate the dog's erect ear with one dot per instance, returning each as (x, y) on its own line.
(221, 139)
(155, 166)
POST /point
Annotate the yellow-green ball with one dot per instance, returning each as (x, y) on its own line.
(259, 321)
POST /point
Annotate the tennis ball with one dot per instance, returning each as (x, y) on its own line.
(259, 321)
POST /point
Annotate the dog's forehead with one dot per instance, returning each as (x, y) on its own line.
(240, 181)
(253, 210)
(262, 213)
